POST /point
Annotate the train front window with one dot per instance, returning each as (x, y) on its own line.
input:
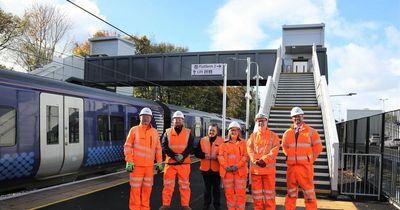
(73, 125)
(52, 118)
(102, 128)
(134, 121)
(117, 128)
(7, 126)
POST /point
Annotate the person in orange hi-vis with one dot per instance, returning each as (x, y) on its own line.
(263, 147)
(141, 147)
(301, 144)
(207, 151)
(232, 157)
(177, 143)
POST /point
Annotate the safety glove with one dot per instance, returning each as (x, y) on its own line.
(261, 163)
(207, 156)
(228, 168)
(129, 166)
(159, 166)
(234, 168)
(179, 158)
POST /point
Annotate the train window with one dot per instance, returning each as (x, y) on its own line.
(52, 119)
(73, 125)
(134, 121)
(117, 128)
(102, 128)
(7, 126)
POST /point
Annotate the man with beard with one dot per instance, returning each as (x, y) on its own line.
(177, 143)
(301, 144)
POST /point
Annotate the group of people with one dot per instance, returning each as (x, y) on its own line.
(228, 160)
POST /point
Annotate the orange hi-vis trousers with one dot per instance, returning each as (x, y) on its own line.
(235, 186)
(141, 181)
(263, 191)
(170, 172)
(300, 175)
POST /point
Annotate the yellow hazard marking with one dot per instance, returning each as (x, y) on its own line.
(76, 196)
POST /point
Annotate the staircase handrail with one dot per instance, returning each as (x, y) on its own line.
(331, 136)
(272, 85)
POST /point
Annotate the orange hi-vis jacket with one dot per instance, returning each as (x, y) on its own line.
(233, 153)
(141, 144)
(177, 143)
(264, 145)
(211, 150)
(307, 147)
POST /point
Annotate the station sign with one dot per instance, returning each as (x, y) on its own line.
(211, 69)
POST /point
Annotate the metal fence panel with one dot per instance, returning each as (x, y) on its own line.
(360, 174)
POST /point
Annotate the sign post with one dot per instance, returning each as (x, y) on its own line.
(214, 69)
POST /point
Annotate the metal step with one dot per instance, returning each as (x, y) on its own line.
(306, 116)
(286, 120)
(287, 111)
(296, 102)
(286, 125)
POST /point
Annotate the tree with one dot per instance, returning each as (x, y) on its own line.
(10, 28)
(46, 26)
(2, 67)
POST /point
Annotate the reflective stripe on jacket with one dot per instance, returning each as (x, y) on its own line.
(177, 143)
(233, 153)
(142, 145)
(212, 151)
(307, 147)
(264, 145)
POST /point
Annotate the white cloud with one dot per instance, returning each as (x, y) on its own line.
(83, 24)
(242, 24)
(363, 56)
(370, 71)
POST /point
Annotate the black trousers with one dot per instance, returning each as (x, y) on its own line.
(212, 182)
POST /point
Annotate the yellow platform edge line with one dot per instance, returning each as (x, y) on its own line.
(76, 196)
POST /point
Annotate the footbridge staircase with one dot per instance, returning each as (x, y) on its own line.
(307, 90)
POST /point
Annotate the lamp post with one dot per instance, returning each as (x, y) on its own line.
(383, 103)
(346, 94)
(340, 105)
(257, 77)
(247, 95)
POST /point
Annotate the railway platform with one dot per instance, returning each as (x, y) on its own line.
(112, 192)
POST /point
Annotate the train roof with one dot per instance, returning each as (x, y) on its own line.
(192, 111)
(34, 82)
(201, 113)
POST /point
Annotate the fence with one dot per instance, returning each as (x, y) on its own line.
(373, 136)
(360, 174)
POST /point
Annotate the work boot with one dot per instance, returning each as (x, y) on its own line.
(164, 208)
(186, 208)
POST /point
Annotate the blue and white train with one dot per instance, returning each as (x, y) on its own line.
(53, 131)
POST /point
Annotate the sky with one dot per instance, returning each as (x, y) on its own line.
(362, 37)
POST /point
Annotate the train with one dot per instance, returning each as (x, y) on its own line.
(53, 131)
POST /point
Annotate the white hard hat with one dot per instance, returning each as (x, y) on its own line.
(296, 111)
(261, 116)
(233, 124)
(178, 114)
(146, 111)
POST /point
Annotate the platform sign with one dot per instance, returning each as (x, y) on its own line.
(211, 69)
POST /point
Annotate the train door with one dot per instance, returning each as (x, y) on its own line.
(73, 134)
(61, 120)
